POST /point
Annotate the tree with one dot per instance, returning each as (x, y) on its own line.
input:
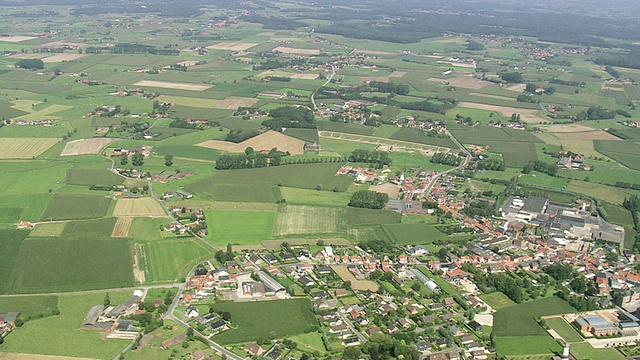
(512, 77)
(248, 151)
(168, 160)
(107, 300)
(30, 64)
(137, 159)
(124, 159)
(368, 199)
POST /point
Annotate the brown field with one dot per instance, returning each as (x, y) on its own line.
(122, 227)
(16, 356)
(527, 115)
(24, 148)
(85, 146)
(170, 85)
(234, 102)
(289, 50)
(464, 82)
(138, 207)
(398, 74)
(587, 135)
(265, 141)
(356, 284)
(17, 38)
(305, 76)
(566, 128)
(232, 46)
(62, 57)
(387, 188)
(458, 64)
(29, 56)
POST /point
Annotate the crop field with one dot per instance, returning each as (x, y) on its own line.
(24, 148)
(259, 319)
(75, 206)
(359, 217)
(603, 192)
(306, 135)
(172, 85)
(85, 146)
(236, 192)
(313, 197)
(527, 345)
(346, 275)
(232, 46)
(527, 115)
(234, 102)
(585, 351)
(519, 320)
(51, 265)
(289, 50)
(121, 227)
(29, 306)
(146, 206)
(566, 331)
(92, 177)
(463, 82)
(345, 128)
(265, 141)
(189, 101)
(91, 228)
(404, 234)
(418, 136)
(168, 260)
(10, 215)
(390, 189)
(497, 300)
(239, 227)
(627, 153)
(296, 219)
(9, 246)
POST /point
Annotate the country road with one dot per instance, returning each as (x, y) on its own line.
(333, 73)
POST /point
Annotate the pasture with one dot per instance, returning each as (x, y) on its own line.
(256, 320)
(24, 148)
(625, 152)
(29, 306)
(306, 135)
(92, 177)
(564, 329)
(346, 275)
(404, 234)
(418, 136)
(168, 260)
(239, 227)
(265, 141)
(85, 146)
(234, 102)
(519, 320)
(528, 116)
(91, 228)
(297, 219)
(76, 206)
(9, 247)
(237, 192)
(585, 351)
(359, 217)
(145, 206)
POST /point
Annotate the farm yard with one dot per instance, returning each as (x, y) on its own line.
(24, 148)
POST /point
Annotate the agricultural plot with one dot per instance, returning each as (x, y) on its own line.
(75, 206)
(62, 58)
(237, 192)
(146, 206)
(387, 188)
(259, 319)
(85, 146)
(29, 306)
(404, 234)
(24, 148)
(265, 141)
(527, 115)
(345, 128)
(16, 38)
(306, 135)
(234, 102)
(289, 50)
(232, 46)
(52, 265)
(92, 177)
(625, 152)
(463, 82)
(346, 275)
(121, 228)
(168, 260)
(497, 300)
(9, 247)
(10, 215)
(172, 85)
(92, 228)
(418, 136)
(566, 331)
(239, 227)
(359, 217)
(189, 101)
(296, 219)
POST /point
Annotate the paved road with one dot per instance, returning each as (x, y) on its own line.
(313, 94)
(466, 162)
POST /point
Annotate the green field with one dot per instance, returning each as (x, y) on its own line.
(405, 234)
(359, 217)
(497, 300)
(346, 128)
(307, 135)
(237, 192)
(564, 329)
(72, 206)
(519, 320)
(100, 228)
(57, 264)
(585, 351)
(9, 247)
(526, 345)
(92, 177)
(239, 227)
(168, 260)
(298, 219)
(256, 320)
(418, 136)
(30, 307)
(625, 152)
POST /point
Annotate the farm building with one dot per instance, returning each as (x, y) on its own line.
(92, 320)
(596, 325)
(183, 194)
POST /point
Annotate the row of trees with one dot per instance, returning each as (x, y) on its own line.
(249, 160)
(541, 166)
(380, 158)
(368, 199)
(446, 159)
(290, 117)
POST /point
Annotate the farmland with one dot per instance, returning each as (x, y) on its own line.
(24, 148)
(85, 146)
(265, 141)
(74, 206)
(356, 284)
(295, 219)
(239, 227)
(258, 320)
(138, 207)
(92, 177)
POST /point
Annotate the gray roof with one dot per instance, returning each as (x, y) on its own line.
(534, 205)
(120, 309)
(597, 322)
(92, 315)
(11, 317)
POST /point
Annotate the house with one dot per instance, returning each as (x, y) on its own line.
(192, 312)
(183, 194)
(25, 225)
(305, 281)
(254, 349)
(218, 326)
(197, 355)
(351, 342)
(341, 292)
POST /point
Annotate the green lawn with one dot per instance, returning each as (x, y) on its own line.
(585, 351)
(497, 300)
(254, 320)
(239, 227)
(72, 206)
(564, 329)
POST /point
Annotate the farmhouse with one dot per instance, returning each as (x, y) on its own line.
(128, 306)
(8, 322)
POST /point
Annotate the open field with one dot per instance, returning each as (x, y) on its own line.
(626, 153)
(259, 319)
(101, 228)
(16, 38)
(356, 284)
(390, 189)
(295, 219)
(29, 306)
(234, 102)
(497, 300)
(9, 246)
(232, 46)
(585, 351)
(92, 177)
(145, 206)
(121, 227)
(265, 141)
(527, 345)
(359, 217)
(239, 227)
(404, 234)
(238, 192)
(564, 329)
(17, 356)
(24, 148)
(289, 50)
(74, 206)
(61, 58)
(169, 259)
(85, 146)
(588, 135)
(172, 85)
(527, 115)
(464, 82)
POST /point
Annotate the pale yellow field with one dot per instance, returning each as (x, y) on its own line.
(171, 85)
(527, 115)
(387, 188)
(24, 148)
(85, 146)
(356, 284)
(548, 138)
(45, 113)
(48, 229)
(232, 46)
(234, 102)
(59, 43)
(29, 56)
(265, 141)
(138, 207)
(517, 87)
(587, 135)
(465, 82)
(122, 227)
(398, 74)
(305, 76)
(373, 52)
(290, 50)
(189, 101)
(62, 57)
(584, 147)
(17, 38)
(568, 128)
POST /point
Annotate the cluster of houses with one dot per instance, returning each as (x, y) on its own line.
(20, 122)
(192, 220)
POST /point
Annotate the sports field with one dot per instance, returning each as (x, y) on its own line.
(24, 148)
(145, 206)
(297, 219)
(259, 319)
(239, 227)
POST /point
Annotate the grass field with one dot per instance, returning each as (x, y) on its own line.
(9, 247)
(404, 234)
(168, 260)
(24, 148)
(625, 152)
(346, 128)
(92, 177)
(497, 300)
(145, 206)
(53, 265)
(73, 206)
(359, 217)
(239, 227)
(519, 320)
(527, 345)
(297, 219)
(314, 197)
(306, 135)
(259, 319)
(603, 192)
(565, 330)
(585, 351)
(418, 136)
(98, 228)
(237, 192)
(29, 306)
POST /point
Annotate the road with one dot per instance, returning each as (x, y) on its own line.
(466, 162)
(313, 94)
(353, 328)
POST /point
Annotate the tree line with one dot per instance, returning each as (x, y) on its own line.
(380, 158)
